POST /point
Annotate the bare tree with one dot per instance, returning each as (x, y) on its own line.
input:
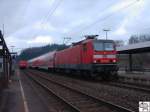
(119, 43)
(139, 38)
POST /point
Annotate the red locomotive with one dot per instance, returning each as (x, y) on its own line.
(23, 64)
(90, 57)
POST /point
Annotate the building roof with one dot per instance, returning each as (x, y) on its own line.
(135, 48)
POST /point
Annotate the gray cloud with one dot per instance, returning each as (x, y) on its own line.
(22, 19)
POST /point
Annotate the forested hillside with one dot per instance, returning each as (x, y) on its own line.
(30, 53)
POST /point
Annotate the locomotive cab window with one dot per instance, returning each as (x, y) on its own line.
(98, 46)
(103, 46)
(108, 46)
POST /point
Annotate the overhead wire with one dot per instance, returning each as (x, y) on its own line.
(101, 19)
(50, 13)
(112, 3)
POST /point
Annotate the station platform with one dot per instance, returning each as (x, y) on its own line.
(144, 75)
(10, 98)
(135, 77)
(20, 97)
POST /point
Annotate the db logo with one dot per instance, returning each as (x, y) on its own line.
(144, 106)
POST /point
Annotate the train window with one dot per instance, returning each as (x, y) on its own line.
(108, 46)
(98, 46)
(84, 47)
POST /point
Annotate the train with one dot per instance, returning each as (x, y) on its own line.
(90, 57)
(23, 64)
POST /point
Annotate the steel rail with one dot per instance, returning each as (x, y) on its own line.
(47, 89)
(133, 87)
(118, 107)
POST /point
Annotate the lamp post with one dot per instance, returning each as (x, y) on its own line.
(106, 30)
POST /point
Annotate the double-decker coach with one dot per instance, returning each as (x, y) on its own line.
(45, 61)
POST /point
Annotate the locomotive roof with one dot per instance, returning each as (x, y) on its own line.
(87, 40)
(104, 40)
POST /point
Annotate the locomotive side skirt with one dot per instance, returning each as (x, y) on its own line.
(89, 67)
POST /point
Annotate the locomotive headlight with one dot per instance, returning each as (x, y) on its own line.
(114, 60)
(95, 61)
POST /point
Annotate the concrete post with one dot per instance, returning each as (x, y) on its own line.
(130, 63)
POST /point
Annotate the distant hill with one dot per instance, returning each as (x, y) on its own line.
(30, 53)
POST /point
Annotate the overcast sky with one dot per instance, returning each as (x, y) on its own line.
(31, 23)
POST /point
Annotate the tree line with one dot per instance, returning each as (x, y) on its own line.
(30, 53)
(134, 39)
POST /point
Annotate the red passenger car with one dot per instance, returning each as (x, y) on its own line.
(45, 61)
(23, 64)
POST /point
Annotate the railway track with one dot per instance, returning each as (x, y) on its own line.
(80, 101)
(137, 87)
(56, 103)
(129, 86)
(36, 91)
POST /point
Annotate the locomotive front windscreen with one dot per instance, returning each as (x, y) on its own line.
(103, 46)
